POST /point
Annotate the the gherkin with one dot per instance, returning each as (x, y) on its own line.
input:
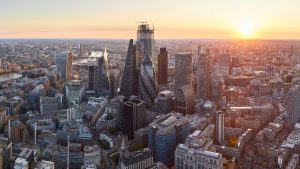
(147, 81)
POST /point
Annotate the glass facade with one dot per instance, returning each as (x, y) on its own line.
(64, 65)
(147, 81)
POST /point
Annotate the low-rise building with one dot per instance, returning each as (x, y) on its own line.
(137, 159)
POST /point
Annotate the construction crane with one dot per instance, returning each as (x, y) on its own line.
(142, 22)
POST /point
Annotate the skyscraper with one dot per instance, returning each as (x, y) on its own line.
(164, 134)
(220, 127)
(183, 69)
(184, 100)
(64, 65)
(99, 79)
(147, 81)
(162, 71)
(128, 73)
(293, 106)
(145, 41)
(134, 111)
(203, 75)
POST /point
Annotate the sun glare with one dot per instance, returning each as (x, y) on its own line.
(246, 30)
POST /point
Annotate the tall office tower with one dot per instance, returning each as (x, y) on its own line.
(203, 75)
(293, 106)
(220, 127)
(147, 81)
(99, 79)
(183, 69)
(145, 41)
(128, 73)
(164, 134)
(184, 100)
(162, 69)
(134, 111)
(64, 65)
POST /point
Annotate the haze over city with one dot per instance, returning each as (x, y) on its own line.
(173, 19)
(149, 84)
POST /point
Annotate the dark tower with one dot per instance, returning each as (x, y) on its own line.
(162, 74)
(127, 82)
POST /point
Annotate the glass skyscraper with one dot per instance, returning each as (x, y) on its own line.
(64, 65)
(99, 79)
(147, 81)
(127, 82)
(145, 42)
(164, 134)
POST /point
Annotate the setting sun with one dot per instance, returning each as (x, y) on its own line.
(246, 30)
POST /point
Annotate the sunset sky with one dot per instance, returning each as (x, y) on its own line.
(262, 19)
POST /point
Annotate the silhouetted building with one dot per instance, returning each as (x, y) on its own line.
(127, 83)
(162, 68)
(134, 114)
(183, 69)
(184, 100)
(64, 65)
(147, 81)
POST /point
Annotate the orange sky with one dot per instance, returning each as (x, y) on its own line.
(270, 19)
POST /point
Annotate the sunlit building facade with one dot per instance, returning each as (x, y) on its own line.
(99, 79)
(64, 65)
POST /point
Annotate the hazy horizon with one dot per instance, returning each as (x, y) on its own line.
(173, 19)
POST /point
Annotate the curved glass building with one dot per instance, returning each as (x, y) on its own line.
(64, 65)
(184, 100)
(164, 134)
(147, 81)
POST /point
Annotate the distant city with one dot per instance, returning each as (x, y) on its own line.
(146, 103)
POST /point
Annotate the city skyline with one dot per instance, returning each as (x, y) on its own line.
(192, 19)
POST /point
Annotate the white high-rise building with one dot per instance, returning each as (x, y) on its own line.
(220, 127)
